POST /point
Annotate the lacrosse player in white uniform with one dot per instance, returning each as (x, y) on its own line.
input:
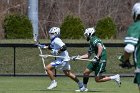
(58, 48)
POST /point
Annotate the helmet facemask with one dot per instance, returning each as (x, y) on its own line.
(87, 36)
(52, 35)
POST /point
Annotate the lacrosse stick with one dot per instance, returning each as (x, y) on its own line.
(43, 60)
(45, 56)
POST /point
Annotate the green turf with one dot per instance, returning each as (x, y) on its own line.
(65, 85)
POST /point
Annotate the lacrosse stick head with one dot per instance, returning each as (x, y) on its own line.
(36, 39)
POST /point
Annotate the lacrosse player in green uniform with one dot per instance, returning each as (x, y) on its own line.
(99, 60)
(132, 44)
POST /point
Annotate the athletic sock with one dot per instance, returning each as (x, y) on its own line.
(85, 85)
(53, 81)
(80, 84)
(85, 79)
(112, 77)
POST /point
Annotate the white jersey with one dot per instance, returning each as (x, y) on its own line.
(56, 44)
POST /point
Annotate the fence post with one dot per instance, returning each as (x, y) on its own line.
(14, 61)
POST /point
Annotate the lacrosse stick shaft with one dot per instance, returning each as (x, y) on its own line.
(37, 42)
(43, 60)
(45, 56)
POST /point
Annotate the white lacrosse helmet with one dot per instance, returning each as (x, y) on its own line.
(54, 32)
(136, 10)
(89, 32)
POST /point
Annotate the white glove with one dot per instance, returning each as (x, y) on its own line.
(54, 52)
(95, 59)
(42, 46)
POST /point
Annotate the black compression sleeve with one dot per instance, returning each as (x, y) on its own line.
(63, 48)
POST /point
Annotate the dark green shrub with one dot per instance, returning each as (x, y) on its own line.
(72, 28)
(17, 27)
(106, 28)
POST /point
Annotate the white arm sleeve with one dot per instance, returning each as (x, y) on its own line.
(129, 48)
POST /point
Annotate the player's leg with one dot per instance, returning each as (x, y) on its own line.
(67, 71)
(101, 78)
(49, 69)
(98, 74)
(73, 77)
(139, 87)
(85, 80)
(86, 74)
(137, 78)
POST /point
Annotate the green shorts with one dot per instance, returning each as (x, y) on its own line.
(137, 78)
(98, 67)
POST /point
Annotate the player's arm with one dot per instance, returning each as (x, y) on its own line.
(85, 56)
(61, 49)
(96, 58)
(100, 48)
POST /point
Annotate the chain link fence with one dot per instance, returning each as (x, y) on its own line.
(24, 60)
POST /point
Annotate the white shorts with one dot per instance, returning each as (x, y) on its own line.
(60, 64)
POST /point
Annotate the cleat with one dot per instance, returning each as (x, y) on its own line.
(117, 79)
(82, 89)
(126, 65)
(52, 85)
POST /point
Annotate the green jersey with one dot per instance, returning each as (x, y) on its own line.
(133, 37)
(94, 42)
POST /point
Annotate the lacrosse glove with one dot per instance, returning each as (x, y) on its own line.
(95, 60)
(75, 57)
(54, 52)
(42, 45)
(124, 63)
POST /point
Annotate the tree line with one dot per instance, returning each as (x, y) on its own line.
(53, 12)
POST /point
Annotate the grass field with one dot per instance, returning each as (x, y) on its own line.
(65, 85)
(28, 62)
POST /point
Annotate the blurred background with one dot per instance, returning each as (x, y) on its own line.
(53, 12)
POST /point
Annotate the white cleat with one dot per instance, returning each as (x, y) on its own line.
(83, 89)
(52, 85)
(117, 79)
